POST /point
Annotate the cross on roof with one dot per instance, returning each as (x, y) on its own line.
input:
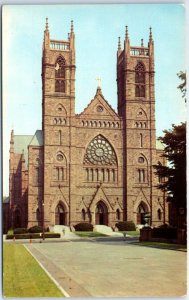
(99, 81)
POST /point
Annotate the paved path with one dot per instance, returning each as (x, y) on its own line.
(113, 269)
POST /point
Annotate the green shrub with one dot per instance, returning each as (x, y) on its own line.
(20, 230)
(52, 235)
(83, 227)
(35, 229)
(165, 232)
(10, 231)
(126, 226)
(164, 226)
(32, 236)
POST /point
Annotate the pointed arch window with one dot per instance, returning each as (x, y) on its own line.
(140, 80)
(159, 214)
(118, 214)
(83, 214)
(60, 74)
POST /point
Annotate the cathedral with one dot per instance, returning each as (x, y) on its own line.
(95, 166)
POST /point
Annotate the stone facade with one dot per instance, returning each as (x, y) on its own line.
(96, 166)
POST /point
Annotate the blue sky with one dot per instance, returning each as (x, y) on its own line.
(97, 28)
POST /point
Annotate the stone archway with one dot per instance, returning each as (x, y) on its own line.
(60, 215)
(141, 211)
(101, 214)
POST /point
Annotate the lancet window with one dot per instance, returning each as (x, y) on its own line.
(60, 74)
(140, 80)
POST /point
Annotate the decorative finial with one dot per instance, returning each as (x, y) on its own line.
(126, 33)
(142, 44)
(150, 33)
(119, 43)
(72, 27)
(47, 25)
(12, 134)
(99, 81)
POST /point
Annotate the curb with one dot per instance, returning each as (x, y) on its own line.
(49, 275)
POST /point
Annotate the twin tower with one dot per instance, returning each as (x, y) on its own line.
(96, 166)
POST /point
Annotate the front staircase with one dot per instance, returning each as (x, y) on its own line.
(106, 230)
(64, 231)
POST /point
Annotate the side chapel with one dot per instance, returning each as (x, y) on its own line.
(95, 166)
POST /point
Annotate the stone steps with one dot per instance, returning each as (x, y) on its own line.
(106, 230)
(64, 231)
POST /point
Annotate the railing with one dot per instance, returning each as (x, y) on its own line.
(59, 45)
(139, 51)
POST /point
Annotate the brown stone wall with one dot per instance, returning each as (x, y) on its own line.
(65, 185)
(35, 184)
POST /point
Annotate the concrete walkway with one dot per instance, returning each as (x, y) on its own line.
(113, 268)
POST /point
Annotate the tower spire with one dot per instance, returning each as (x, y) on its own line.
(119, 44)
(47, 25)
(12, 141)
(72, 26)
(150, 37)
(126, 33)
(46, 41)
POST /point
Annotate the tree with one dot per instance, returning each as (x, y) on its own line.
(173, 175)
(182, 85)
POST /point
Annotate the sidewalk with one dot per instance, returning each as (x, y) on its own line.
(91, 268)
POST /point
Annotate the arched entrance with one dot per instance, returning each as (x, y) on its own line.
(60, 215)
(141, 211)
(101, 214)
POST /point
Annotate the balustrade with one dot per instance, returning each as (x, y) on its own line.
(59, 45)
(139, 51)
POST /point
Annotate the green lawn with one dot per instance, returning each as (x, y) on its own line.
(131, 233)
(160, 245)
(22, 275)
(89, 234)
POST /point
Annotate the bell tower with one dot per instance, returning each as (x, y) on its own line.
(58, 114)
(58, 72)
(136, 106)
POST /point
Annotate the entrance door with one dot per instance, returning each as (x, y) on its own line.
(62, 218)
(141, 212)
(60, 215)
(101, 214)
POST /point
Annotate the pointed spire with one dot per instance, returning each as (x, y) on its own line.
(150, 37)
(12, 141)
(72, 26)
(119, 44)
(142, 43)
(126, 33)
(46, 40)
(47, 25)
(22, 156)
(12, 136)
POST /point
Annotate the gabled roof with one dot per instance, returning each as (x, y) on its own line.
(37, 139)
(21, 144)
(99, 99)
(6, 199)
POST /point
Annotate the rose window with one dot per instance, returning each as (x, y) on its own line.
(100, 152)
